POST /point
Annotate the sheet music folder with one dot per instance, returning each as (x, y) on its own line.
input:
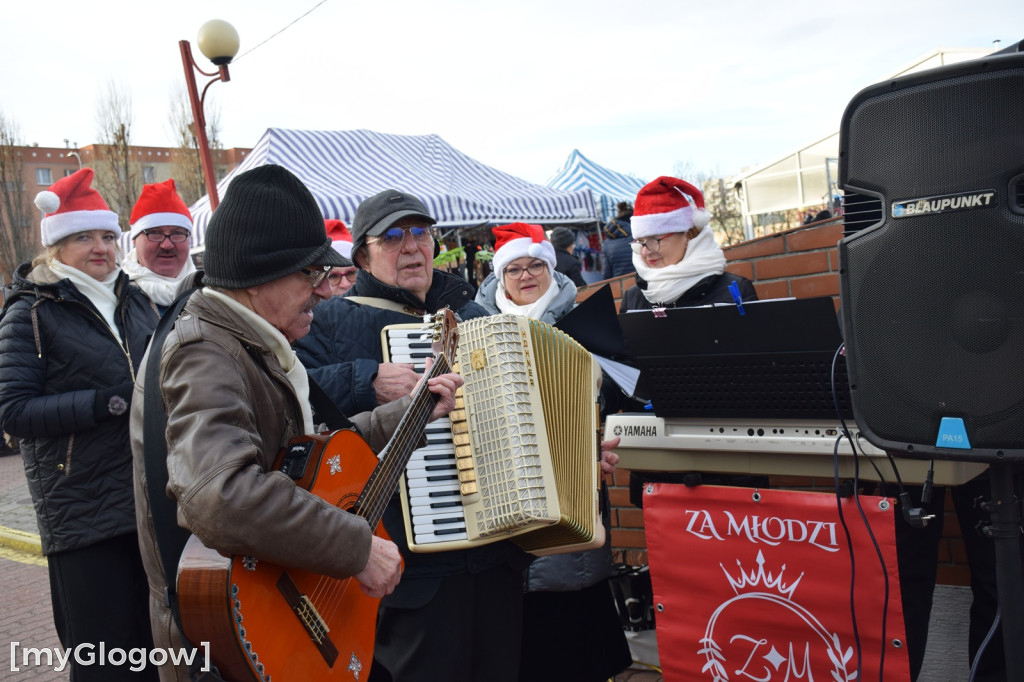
(774, 361)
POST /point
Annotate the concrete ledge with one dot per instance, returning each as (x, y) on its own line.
(20, 540)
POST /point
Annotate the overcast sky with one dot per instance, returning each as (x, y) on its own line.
(640, 86)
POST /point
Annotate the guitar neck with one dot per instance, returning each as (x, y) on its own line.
(396, 454)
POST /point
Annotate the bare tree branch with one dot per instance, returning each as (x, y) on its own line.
(119, 176)
(188, 166)
(18, 240)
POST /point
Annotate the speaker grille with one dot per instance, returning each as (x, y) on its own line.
(933, 303)
(951, 348)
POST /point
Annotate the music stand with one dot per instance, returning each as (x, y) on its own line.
(769, 359)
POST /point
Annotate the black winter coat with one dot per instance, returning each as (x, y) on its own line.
(616, 254)
(569, 265)
(56, 353)
(711, 289)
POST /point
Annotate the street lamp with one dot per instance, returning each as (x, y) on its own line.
(218, 41)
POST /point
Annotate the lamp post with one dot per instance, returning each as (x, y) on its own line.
(218, 41)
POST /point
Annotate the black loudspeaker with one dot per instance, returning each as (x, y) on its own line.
(932, 261)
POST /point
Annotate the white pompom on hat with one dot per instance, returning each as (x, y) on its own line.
(341, 238)
(668, 205)
(159, 206)
(518, 240)
(71, 206)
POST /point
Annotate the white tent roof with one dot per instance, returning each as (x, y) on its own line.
(343, 167)
(608, 187)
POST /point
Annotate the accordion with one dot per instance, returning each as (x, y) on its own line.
(518, 458)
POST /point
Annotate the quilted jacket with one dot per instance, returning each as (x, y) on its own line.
(56, 352)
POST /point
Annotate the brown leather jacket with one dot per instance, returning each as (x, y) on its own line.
(230, 411)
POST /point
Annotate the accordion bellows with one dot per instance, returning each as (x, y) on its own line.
(525, 438)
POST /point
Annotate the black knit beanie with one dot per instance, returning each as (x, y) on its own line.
(268, 226)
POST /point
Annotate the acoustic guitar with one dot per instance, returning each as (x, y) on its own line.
(272, 623)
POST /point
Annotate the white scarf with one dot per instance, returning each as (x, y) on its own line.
(281, 349)
(665, 285)
(99, 291)
(160, 289)
(532, 310)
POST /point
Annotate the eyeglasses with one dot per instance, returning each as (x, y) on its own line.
(316, 276)
(392, 239)
(176, 237)
(336, 277)
(653, 244)
(516, 272)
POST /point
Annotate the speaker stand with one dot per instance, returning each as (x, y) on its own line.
(1005, 531)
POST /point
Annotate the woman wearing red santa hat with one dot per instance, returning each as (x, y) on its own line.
(341, 279)
(570, 627)
(678, 264)
(72, 334)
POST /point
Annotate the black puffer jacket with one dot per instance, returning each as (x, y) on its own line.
(56, 353)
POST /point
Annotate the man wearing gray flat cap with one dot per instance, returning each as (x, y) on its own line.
(457, 614)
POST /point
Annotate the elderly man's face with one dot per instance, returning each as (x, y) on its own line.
(164, 257)
(287, 302)
(410, 266)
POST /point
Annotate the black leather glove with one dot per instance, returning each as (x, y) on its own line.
(114, 401)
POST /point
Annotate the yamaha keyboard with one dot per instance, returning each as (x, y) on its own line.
(767, 447)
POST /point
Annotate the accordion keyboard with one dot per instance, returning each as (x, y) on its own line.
(432, 477)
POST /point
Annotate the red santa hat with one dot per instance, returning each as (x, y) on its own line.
(518, 240)
(341, 238)
(71, 205)
(159, 206)
(667, 205)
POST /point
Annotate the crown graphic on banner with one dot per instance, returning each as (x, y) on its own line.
(761, 577)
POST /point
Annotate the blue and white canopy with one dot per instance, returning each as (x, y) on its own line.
(608, 187)
(343, 167)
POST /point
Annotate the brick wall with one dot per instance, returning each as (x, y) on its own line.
(803, 263)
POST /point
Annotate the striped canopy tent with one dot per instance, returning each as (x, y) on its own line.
(343, 167)
(608, 187)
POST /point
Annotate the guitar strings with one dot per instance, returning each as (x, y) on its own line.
(376, 496)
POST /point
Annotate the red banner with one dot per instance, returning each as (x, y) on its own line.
(754, 585)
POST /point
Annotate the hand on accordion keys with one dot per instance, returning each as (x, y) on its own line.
(444, 385)
(609, 459)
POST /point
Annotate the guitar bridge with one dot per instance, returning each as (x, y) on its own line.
(310, 618)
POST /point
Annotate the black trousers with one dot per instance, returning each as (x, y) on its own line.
(100, 595)
(468, 628)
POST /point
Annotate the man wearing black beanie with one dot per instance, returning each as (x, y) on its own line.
(235, 394)
(564, 241)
